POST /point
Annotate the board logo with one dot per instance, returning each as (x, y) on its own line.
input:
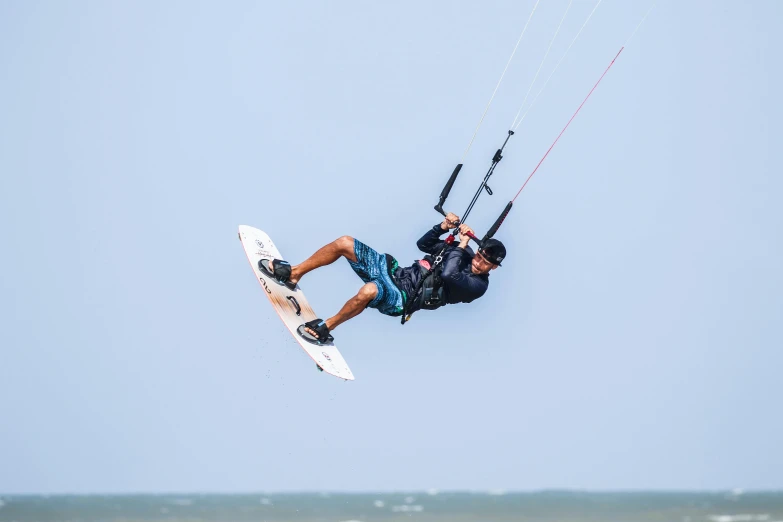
(268, 291)
(326, 355)
(259, 243)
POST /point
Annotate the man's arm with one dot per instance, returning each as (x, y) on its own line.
(430, 242)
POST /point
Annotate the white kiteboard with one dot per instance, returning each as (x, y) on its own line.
(291, 305)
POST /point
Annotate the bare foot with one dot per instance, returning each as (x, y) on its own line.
(313, 332)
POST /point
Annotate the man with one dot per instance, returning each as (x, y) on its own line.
(461, 278)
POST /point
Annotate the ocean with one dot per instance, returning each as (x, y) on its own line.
(428, 506)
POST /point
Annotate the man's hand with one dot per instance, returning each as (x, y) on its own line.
(464, 238)
(450, 222)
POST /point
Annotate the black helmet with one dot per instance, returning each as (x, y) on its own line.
(493, 251)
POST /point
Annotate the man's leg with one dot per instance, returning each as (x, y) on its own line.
(353, 307)
(326, 255)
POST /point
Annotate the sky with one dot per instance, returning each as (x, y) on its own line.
(630, 341)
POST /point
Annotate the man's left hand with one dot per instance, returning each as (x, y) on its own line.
(464, 238)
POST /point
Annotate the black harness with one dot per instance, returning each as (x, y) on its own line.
(428, 292)
(431, 295)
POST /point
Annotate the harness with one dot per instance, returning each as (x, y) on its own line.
(428, 292)
(431, 295)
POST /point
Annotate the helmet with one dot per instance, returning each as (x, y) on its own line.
(493, 250)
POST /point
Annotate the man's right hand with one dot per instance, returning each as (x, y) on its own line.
(451, 221)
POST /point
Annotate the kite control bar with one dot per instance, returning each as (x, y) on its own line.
(450, 239)
(450, 183)
(489, 234)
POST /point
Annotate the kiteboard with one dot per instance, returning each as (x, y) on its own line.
(290, 305)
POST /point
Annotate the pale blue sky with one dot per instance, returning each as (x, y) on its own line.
(631, 340)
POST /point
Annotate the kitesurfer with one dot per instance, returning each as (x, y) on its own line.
(461, 277)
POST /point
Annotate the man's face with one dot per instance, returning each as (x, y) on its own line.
(480, 264)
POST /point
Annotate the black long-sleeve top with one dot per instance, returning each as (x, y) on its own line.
(460, 284)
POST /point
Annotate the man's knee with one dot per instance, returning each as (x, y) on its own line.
(368, 292)
(344, 243)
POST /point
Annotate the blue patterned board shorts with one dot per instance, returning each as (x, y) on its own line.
(372, 267)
